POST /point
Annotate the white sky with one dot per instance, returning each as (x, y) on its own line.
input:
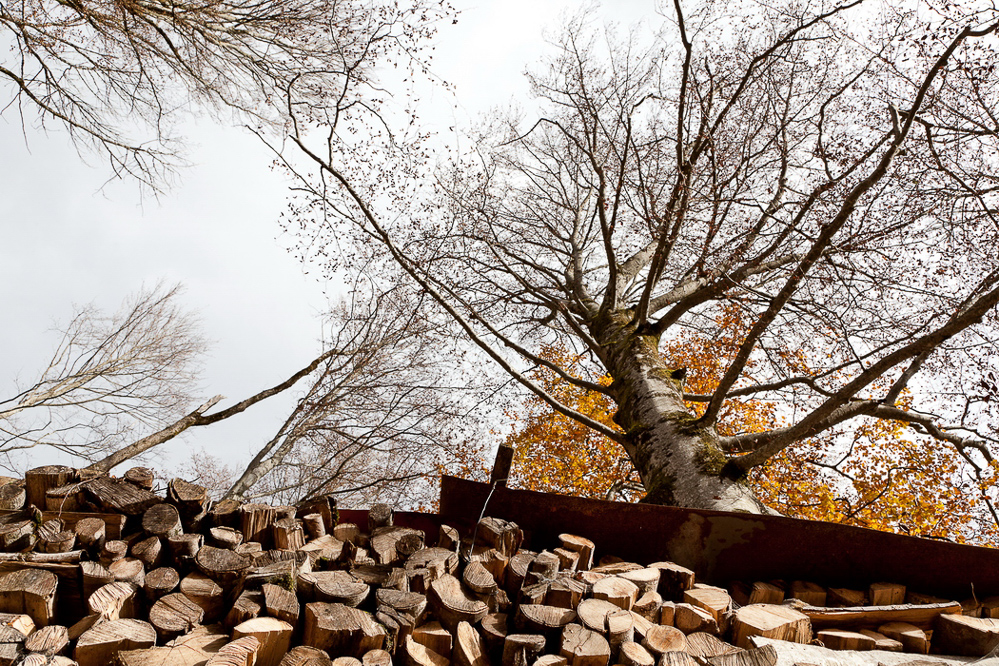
(66, 238)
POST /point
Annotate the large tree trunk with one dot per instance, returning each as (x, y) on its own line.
(678, 459)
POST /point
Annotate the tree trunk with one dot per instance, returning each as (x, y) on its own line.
(677, 458)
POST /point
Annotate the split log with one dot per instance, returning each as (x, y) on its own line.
(620, 629)
(660, 639)
(593, 613)
(882, 642)
(568, 559)
(968, 636)
(38, 481)
(348, 532)
(389, 545)
(184, 547)
(886, 594)
(69, 497)
(303, 655)
(409, 603)
(714, 600)
(840, 639)
(226, 514)
(539, 619)
(240, 652)
(83, 625)
(666, 613)
(256, 522)
(248, 605)
(191, 501)
(274, 636)
(757, 593)
(11, 644)
(690, 619)
(642, 626)
(469, 647)
(29, 591)
(379, 658)
(162, 520)
(288, 534)
(17, 535)
(912, 638)
(205, 593)
(543, 568)
(224, 537)
(91, 534)
(677, 659)
(192, 649)
(129, 570)
(703, 644)
(584, 547)
(583, 647)
(452, 604)
(647, 579)
(415, 654)
(380, 515)
(50, 640)
(281, 603)
(141, 477)
(314, 525)
(674, 580)
(98, 646)
(225, 567)
(160, 582)
(648, 606)
(114, 601)
(633, 654)
(23, 623)
(503, 535)
(566, 592)
(922, 616)
(764, 656)
(12, 495)
(112, 551)
(334, 587)
(94, 576)
(522, 649)
(516, 572)
(149, 551)
(434, 637)
(341, 629)
(810, 593)
(174, 615)
(618, 591)
(120, 496)
(55, 539)
(478, 578)
(841, 596)
(770, 621)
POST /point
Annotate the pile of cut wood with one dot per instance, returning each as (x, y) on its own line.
(107, 571)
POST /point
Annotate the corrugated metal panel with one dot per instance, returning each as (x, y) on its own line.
(722, 547)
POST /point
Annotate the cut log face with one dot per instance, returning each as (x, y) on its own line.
(29, 591)
(968, 636)
(281, 603)
(714, 600)
(91, 533)
(141, 477)
(522, 649)
(149, 551)
(98, 646)
(503, 535)
(690, 619)
(205, 593)
(303, 655)
(114, 601)
(583, 647)
(886, 594)
(415, 654)
(12, 495)
(434, 637)
(248, 605)
(50, 640)
(225, 567)
(770, 621)
(479, 579)
(912, 638)
(128, 570)
(593, 613)
(659, 639)
(160, 582)
(452, 604)
(38, 481)
(647, 579)
(409, 603)
(341, 630)
(273, 634)
(379, 658)
(541, 619)
(633, 654)
(618, 591)
(240, 652)
(162, 520)
(175, 615)
(882, 642)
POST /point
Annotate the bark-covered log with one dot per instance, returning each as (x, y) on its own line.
(91, 533)
(288, 534)
(257, 521)
(224, 537)
(223, 566)
(248, 605)
(274, 636)
(149, 551)
(98, 646)
(380, 515)
(29, 591)
(129, 570)
(119, 496)
(160, 582)
(314, 525)
(113, 551)
(191, 501)
(12, 495)
(162, 520)
(140, 476)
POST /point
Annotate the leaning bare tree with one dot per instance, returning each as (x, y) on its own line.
(118, 76)
(829, 172)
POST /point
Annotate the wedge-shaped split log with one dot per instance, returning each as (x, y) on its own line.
(969, 636)
(770, 621)
(273, 634)
(174, 615)
(114, 601)
(98, 646)
(50, 640)
(584, 647)
(240, 652)
(452, 604)
(341, 630)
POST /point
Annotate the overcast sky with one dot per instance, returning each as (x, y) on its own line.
(69, 237)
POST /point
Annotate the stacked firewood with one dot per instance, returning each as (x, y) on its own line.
(101, 571)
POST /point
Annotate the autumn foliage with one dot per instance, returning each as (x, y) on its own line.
(881, 475)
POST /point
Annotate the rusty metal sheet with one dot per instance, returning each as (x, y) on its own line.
(722, 547)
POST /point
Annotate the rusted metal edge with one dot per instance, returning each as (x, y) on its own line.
(722, 547)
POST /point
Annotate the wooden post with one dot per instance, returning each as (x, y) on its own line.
(502, 465)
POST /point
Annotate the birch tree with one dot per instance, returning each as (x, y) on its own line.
(827, 170)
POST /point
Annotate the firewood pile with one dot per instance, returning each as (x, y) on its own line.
(97, 570)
